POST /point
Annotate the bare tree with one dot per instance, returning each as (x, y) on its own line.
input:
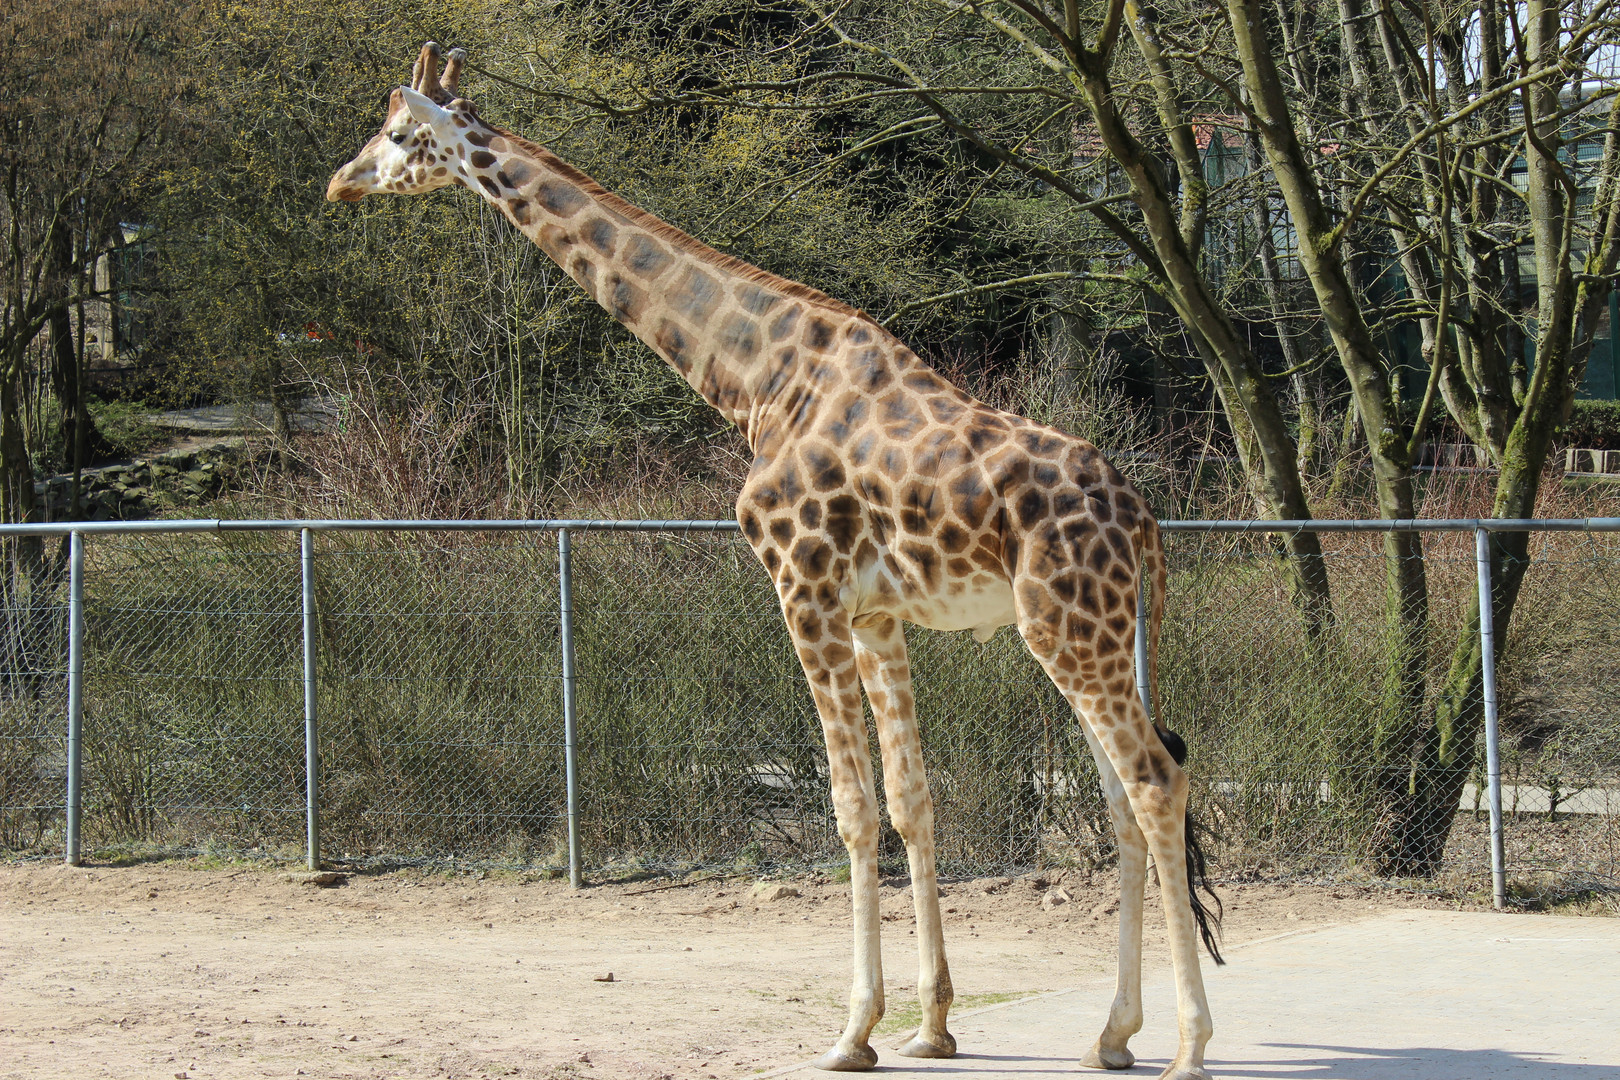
(92, 89)
(1445, 105)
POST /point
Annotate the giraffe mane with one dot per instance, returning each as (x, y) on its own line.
(729, 264)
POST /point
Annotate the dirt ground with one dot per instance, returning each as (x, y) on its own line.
(169, 970)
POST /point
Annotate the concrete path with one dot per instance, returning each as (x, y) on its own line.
(1409, 995)
(253, 419)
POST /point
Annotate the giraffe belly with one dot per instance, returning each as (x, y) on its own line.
(982, 605)
(983, 610)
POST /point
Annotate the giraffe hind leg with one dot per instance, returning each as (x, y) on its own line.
(1156, 792)
(1111, 1050)
(1088, 659)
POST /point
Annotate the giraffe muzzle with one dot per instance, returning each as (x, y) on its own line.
(344, 189)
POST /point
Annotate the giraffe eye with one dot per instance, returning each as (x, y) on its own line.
(396, 137)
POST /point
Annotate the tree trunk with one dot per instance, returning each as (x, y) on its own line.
(23, 556)
(1567, 313)
(1399, 718)
(1248, 400)
(81, 440)
(17, 498)
(1289, 332)
(1424, 810)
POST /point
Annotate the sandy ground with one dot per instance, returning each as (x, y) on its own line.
(166, 970)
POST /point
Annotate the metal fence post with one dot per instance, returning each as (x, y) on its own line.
(75, 693)
(1142, 648)
(565, 594)
(1493, 759)
(312, 761)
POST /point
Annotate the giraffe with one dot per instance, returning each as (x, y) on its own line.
(879, 494)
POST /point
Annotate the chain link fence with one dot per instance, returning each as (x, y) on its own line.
(439, 703)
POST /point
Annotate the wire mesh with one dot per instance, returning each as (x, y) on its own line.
(1294, 738)
(1560, 674)
(440, 709)
(193, 703)
(33, 692)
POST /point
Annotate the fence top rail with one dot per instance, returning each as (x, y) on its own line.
(1402, 525)
(216, 525)
(206, 525)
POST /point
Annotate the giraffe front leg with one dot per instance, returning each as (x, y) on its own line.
(855, 805)
(858, 826)
(822, 638)
(880, 653)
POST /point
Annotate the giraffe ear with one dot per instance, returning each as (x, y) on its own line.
(423, 109)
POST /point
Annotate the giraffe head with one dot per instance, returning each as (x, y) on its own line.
(416, 149)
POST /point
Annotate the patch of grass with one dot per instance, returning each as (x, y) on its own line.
(1562, 894)
(905, 1014)
(139, 853)
(127, 425)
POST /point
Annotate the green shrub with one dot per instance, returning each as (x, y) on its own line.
(1592, 425)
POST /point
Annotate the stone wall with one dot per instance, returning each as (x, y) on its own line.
(148, 486)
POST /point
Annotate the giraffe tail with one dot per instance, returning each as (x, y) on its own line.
(1152, 562)
(1206, 915)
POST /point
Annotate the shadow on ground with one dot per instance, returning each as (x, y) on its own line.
(1307, 1062)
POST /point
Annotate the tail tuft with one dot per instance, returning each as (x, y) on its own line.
(1209, 921)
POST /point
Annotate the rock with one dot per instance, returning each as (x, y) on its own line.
(768, 891)
(992, 886)
(1056, 898)
(324, 879)
(1107, 907)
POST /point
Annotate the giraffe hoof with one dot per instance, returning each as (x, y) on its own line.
(860, 1059)
(1185, 1072)
(1098, 1058)
(919, 1047)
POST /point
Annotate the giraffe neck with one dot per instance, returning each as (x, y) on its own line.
(740, 336)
